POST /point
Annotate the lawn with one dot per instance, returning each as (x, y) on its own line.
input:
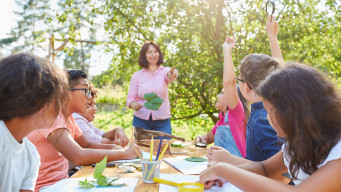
(187, 129)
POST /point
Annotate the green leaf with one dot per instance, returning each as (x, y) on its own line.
(99, 168)
(153, 101)
(176, 145)
(195, 159)
(85, 184)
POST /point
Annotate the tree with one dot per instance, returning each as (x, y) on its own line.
(191, 34)
(29, 35)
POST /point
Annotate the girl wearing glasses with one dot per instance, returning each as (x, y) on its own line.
(31, 96)
(304, 108)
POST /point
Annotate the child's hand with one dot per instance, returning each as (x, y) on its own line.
(217, 153)
(229, 44)
(130, 152)
(200, 139)
(120, 138)
(271, 26)
(172, 74)
(209, 177)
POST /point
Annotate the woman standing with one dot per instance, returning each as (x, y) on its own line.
(153, 78)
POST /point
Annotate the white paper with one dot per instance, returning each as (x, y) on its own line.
(145, 155)
(227, 187)
(72, 185)
(186, 167)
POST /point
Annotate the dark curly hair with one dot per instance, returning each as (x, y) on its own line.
(74, 75)
(143, 60)
(27, 83)
(308, 110)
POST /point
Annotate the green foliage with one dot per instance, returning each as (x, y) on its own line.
(187, 129)
(101, 180)
(195, 159)
(153, 101)
(191, 34)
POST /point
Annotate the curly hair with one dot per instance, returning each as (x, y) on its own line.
(27, 83)
(308, 110)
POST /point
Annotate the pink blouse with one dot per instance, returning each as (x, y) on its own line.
(143, 82)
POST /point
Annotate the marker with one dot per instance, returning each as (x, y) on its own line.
(108, 165)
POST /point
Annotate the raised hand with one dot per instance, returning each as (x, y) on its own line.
(228, 44)
(271, 27)
(172, 74)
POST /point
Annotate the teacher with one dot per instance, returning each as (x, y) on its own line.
(153, 78)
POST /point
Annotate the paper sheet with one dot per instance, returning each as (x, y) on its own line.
(227, 187)
(186, 167)
(145, 155)
(72, 185)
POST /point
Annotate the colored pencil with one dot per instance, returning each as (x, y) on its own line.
(158, 150)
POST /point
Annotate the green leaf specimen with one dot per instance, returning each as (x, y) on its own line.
(101, 180)
(153, 101)
(195, 159)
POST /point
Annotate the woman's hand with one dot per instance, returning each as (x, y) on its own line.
(130, 152)
(217, 153)
(172, 74)
(228, 44)
(135, 105)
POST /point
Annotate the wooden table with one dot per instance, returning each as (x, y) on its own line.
(188, 147)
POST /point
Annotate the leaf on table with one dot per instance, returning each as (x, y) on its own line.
(100, 167)
(85, 184)
(176, 145)
(195, 159)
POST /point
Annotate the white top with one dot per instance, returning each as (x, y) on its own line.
(92, 133)
(334, 154)
(19, 162)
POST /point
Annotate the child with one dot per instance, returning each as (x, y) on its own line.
(31, 96)
(92, 133)
(229, 131)
(261, 140)
(304, 109)
(65, 142)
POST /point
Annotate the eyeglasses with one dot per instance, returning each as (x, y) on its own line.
(241, 80)
(86, 91)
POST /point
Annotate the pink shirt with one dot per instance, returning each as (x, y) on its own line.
(143, 82)
(54, 166)
(92, 133)
(237, 124)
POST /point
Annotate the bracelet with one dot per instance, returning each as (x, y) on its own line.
(261, 163)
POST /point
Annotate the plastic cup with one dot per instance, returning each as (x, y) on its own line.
(150, 169)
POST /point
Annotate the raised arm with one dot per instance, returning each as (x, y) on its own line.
(272, 30)
(172, 74)
(229, 77)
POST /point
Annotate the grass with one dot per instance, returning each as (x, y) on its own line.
(187, 129)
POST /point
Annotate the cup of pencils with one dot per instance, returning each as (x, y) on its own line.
(151, 166)
(150, 169)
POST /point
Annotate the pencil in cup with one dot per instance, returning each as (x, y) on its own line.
(150, 169)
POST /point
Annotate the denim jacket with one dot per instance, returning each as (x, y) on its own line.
(261, 139)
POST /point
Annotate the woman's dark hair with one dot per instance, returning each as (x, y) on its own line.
(254, 68)
(27, 83)
(308, 110)
(74, 75)
(143, 60)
